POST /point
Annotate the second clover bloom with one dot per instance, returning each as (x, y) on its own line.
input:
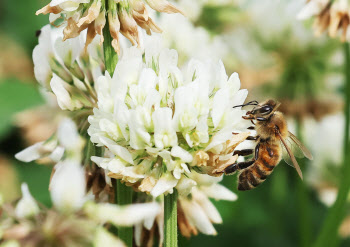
(162, 125)
(330, 15)
(123, 16)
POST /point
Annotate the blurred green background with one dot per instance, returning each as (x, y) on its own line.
(284, 211)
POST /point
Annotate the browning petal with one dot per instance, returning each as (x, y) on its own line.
(235, 141)
(114, 28)
(49, 10)
(186, 229)
(147, 184)
(91, 14)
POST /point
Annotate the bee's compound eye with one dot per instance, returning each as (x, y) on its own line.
(266, 109)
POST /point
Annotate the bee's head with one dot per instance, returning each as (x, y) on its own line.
(263, 110)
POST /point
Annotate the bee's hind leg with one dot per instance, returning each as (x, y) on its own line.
(238, 166)
(243, 152)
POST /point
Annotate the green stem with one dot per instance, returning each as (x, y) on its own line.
(303, 201)
(329, 232)
(170, 220)
(111, 57)
(123, 193)
(123, 196)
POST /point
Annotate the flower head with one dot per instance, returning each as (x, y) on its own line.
(333, 16)
(162, 126)
(123, 16)
(66, 70)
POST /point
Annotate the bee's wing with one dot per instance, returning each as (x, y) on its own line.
(288, 156)
(298, 148)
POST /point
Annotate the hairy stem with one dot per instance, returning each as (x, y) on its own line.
(123, 196)
(170, 220)
(329, 232)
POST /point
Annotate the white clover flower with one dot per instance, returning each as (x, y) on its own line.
(66, 69)
(191, 41)
(123, 16)
(27, 206)
(156, 120)
(332, 16)
(325, 169)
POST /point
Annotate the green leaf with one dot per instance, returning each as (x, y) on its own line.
(15, 96)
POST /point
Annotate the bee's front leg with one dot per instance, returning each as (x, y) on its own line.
(238, 166)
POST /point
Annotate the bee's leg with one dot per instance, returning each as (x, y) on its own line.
(256, 154)
(261, 119)
(252, 138)
(243, 152)
(251, 120)
(238, 166)
(251, 128)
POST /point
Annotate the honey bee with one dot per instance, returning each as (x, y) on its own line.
(273, 141)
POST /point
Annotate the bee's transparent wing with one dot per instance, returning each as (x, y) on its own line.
(298, 149)
(288, 156)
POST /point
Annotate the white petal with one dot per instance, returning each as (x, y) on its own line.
(234, 83)
(164, 133)
(68, 186)
(27, 206)
(195, 214)
(122, 215)
(208, 207)
(116, 149)
(219, 138)
(30, 153)
(219, 192)
(220, 104)
(63, 97)
(68, 135)
(311, 8)
(104, 238)
(182, 154)
(185, 186)
(165, 184)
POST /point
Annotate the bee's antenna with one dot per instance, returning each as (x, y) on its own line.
(254, 102)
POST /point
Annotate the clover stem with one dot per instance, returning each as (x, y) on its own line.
(170, 220)
(123, 193)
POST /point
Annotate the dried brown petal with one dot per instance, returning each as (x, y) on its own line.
(163, 6)
(147, 184)
(200, 159)
(186, 229)
(224, 164)
(128, 27)
(235, 141)
(91, 33)
(49, 10)
(114, 28)
(91, 14)
(100, 23)
(72, 30)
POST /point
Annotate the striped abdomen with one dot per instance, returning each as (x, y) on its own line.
(269, 156)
